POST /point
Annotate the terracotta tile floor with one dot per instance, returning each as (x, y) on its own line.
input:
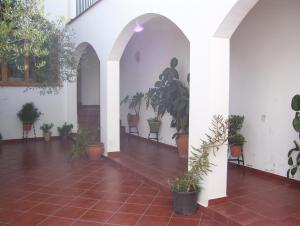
(40, 186)
(253, 200)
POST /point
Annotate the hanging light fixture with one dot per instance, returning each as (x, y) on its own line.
(138, 27)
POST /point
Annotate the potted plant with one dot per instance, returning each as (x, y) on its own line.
(186, 187)
(65, 131)
(235, 139)
(28, 115)
(85, 142)
(294, 153)
(235, 143)
(171, 95)
(154, 123)
(46, 128)
(135, 104)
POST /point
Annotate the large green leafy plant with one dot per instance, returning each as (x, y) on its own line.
(25, 32)
(171, 95)
(294, 153)
(29, 113)
(199, 162)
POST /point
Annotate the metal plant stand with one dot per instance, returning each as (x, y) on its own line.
(133, 130)
(239, 159)
(155, 137)
(26, 132)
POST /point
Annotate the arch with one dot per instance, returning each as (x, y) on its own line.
(234, 18)
(80, 49)
(113, 74)
(88, 88)
(126, 34)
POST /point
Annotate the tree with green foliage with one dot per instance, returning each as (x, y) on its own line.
(26, 32)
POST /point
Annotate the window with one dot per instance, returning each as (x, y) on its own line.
(24, 71)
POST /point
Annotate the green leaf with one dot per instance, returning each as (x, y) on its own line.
(290, 161)
(158, 84)
(288, 173)
(294, 170)
(296, 103)
(296, 123)
(174, 62)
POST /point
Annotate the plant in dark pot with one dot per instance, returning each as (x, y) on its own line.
(135, 102)
(85, 142)
(294, 153)
(46, 128)
(186, 187)
(235, 139)
(28, 115)
(65, 130)
(171, 95)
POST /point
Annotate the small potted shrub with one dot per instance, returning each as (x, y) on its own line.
(134, 104)
(46, 128)
(85, 142)
(186, 187)
(28, 115)
(235, 139)
(154, 124)
(65, 131)
(235, 143)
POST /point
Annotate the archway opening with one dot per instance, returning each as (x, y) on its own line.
(139, 59)
(88, 90)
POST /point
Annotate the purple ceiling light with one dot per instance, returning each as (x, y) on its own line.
(138, 27)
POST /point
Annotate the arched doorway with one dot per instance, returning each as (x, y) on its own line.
(88, 89)
(132, 53)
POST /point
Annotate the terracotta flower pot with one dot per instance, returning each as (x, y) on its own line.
(182, 145)
(94, 151)
(133, 120)
(47, 136)
(235, 150)
(27, 126)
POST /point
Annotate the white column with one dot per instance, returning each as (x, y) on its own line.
(209, 95)
(112, 107)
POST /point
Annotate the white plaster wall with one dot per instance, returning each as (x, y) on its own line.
(156, 46)
(265, 69)
(11, 101)
(56, 8)
(199, 20)
(90, 78)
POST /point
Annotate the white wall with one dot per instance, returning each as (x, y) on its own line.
(156, 46)
(11, 100)
(265, 69)
(90, 78)
(56, 8)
